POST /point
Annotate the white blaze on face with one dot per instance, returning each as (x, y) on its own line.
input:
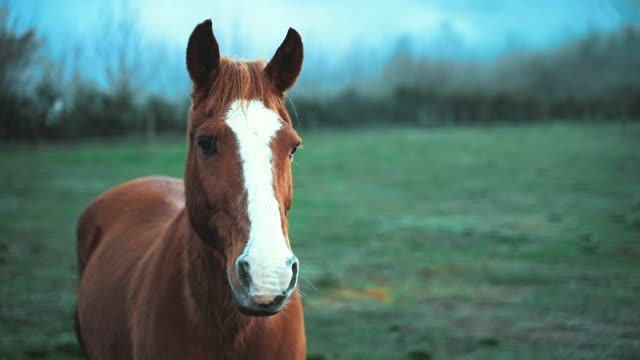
(266, 251)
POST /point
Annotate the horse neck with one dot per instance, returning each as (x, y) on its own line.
(209, 300)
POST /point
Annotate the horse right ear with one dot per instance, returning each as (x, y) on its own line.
(285, 66)
(203, 55)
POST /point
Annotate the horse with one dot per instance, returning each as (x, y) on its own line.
(203, 267)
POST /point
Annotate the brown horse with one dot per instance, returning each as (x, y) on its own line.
(204, 268)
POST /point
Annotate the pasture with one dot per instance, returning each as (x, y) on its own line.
(466, 243)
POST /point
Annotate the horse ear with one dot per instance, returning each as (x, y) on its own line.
(286, 64)
(203, 55)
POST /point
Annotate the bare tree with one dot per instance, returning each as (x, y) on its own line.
(120, 51)
(118, 47)
(18, 51)
(18, 57)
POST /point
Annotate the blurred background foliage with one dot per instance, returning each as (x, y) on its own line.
(595, 77)
(38, 102)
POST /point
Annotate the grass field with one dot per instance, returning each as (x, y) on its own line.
(466, 243)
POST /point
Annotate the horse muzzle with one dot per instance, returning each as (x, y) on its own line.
(263, 287)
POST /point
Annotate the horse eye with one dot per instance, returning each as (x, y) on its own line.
(293, 151)
(207, 145)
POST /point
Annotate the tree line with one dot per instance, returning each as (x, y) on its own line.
(596, 78)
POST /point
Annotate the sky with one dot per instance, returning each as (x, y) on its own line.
(338, 35)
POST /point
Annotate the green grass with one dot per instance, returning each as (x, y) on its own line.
(467, 243)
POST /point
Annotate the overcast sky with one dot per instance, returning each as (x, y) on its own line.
(334, 29)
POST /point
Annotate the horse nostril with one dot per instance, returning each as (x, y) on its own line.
(243, 273)
(294, 275)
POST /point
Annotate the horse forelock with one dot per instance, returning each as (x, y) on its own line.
(237, 80)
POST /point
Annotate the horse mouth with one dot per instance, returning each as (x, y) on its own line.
(261, 311)
(253, 312)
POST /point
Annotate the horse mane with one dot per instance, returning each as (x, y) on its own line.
(238, 80)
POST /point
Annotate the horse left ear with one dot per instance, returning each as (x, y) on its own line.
(203, 55)
(286, 64)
